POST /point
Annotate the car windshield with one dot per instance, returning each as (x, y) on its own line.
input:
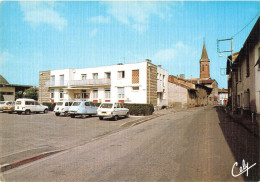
(106, 105)
(2, 102)
(9, 103)
(76, 103)
(18, 102)
(59, 103)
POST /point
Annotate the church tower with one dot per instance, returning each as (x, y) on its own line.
(204, 63)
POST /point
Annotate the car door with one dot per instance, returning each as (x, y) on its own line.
(37, 107)
(88, 108)
(123, 109)
(116, 109)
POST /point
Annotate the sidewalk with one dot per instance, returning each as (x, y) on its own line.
(246, 122)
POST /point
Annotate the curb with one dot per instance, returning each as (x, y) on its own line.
(6, 167)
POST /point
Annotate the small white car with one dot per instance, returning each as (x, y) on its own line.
(82, 108)
(29, 105)
(112, 110)
(62, 108)
(3, 103)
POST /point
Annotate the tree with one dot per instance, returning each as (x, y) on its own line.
(31, 93)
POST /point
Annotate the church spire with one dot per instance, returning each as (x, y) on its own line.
(204, 55)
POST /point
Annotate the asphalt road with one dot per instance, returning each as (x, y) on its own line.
(23, 136)
(193, 145)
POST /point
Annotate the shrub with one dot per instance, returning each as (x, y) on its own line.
(50, 105)
(140, 109)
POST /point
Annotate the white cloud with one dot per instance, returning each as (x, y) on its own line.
(135, 14)
(37, 13)
(178, 52)
(99, 19)
(93, 33)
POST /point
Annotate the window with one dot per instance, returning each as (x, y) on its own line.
(87, 104)
(121, 92)
(202, 67)
(247, 66)
(107, 75)
(107, 93)
(121, 74)
(52, 93)
(238, 100)
(135, 76)
(95, 93)
(61, 93)
(163, 80)
(37, 103)
(135, 88)
(84, 94)
(83, 76)
(61, 80)
(52, 78)
(77, 95)
(29, 102)
(95, 75)
(258, 58)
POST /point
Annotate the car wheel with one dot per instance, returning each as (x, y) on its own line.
(66, 113)
(101, 118)
(72, 116)
(45, 111)
(10, 112)
(57, 114)
(89, 115)
(83, 116)
(19, 113)
(115, 118)
(27, 112)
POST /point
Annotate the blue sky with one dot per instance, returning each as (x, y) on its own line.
(39, 36)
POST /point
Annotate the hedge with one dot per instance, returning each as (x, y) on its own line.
(50, 105)
(140, 109)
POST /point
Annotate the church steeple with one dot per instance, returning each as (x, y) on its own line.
(204, 63)
(204, 55)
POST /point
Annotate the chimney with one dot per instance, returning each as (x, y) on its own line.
(182, 76)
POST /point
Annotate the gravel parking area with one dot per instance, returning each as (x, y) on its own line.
(23, 136)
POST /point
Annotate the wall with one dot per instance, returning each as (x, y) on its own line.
(8, 89)
(257, 77)
(151, 83)
(44, 94)
(177, 95)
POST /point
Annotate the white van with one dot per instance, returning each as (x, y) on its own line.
(62, 108)
(29, 105)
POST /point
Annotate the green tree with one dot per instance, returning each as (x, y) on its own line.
(31, 93)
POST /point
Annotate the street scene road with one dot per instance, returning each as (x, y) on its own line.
(190, 145)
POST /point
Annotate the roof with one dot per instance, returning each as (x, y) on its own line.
(204, 55)
(3, 80)
(222, 90)
(201, 81)
(181, 82)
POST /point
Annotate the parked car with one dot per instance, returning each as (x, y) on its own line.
(62, 108)
(3, 103)
(29, 105)
(9, 107)
(112, 110)
(82, 108)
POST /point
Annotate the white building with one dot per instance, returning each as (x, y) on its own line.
(127, 83)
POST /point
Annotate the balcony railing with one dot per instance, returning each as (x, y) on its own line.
(75, 83)
(90, 82)
(58, 83)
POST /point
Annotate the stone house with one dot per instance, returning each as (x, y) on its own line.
(185, 94)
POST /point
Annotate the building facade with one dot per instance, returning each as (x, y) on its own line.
(244, 75)
(7, 91)
(222, 96)
(126, 83)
